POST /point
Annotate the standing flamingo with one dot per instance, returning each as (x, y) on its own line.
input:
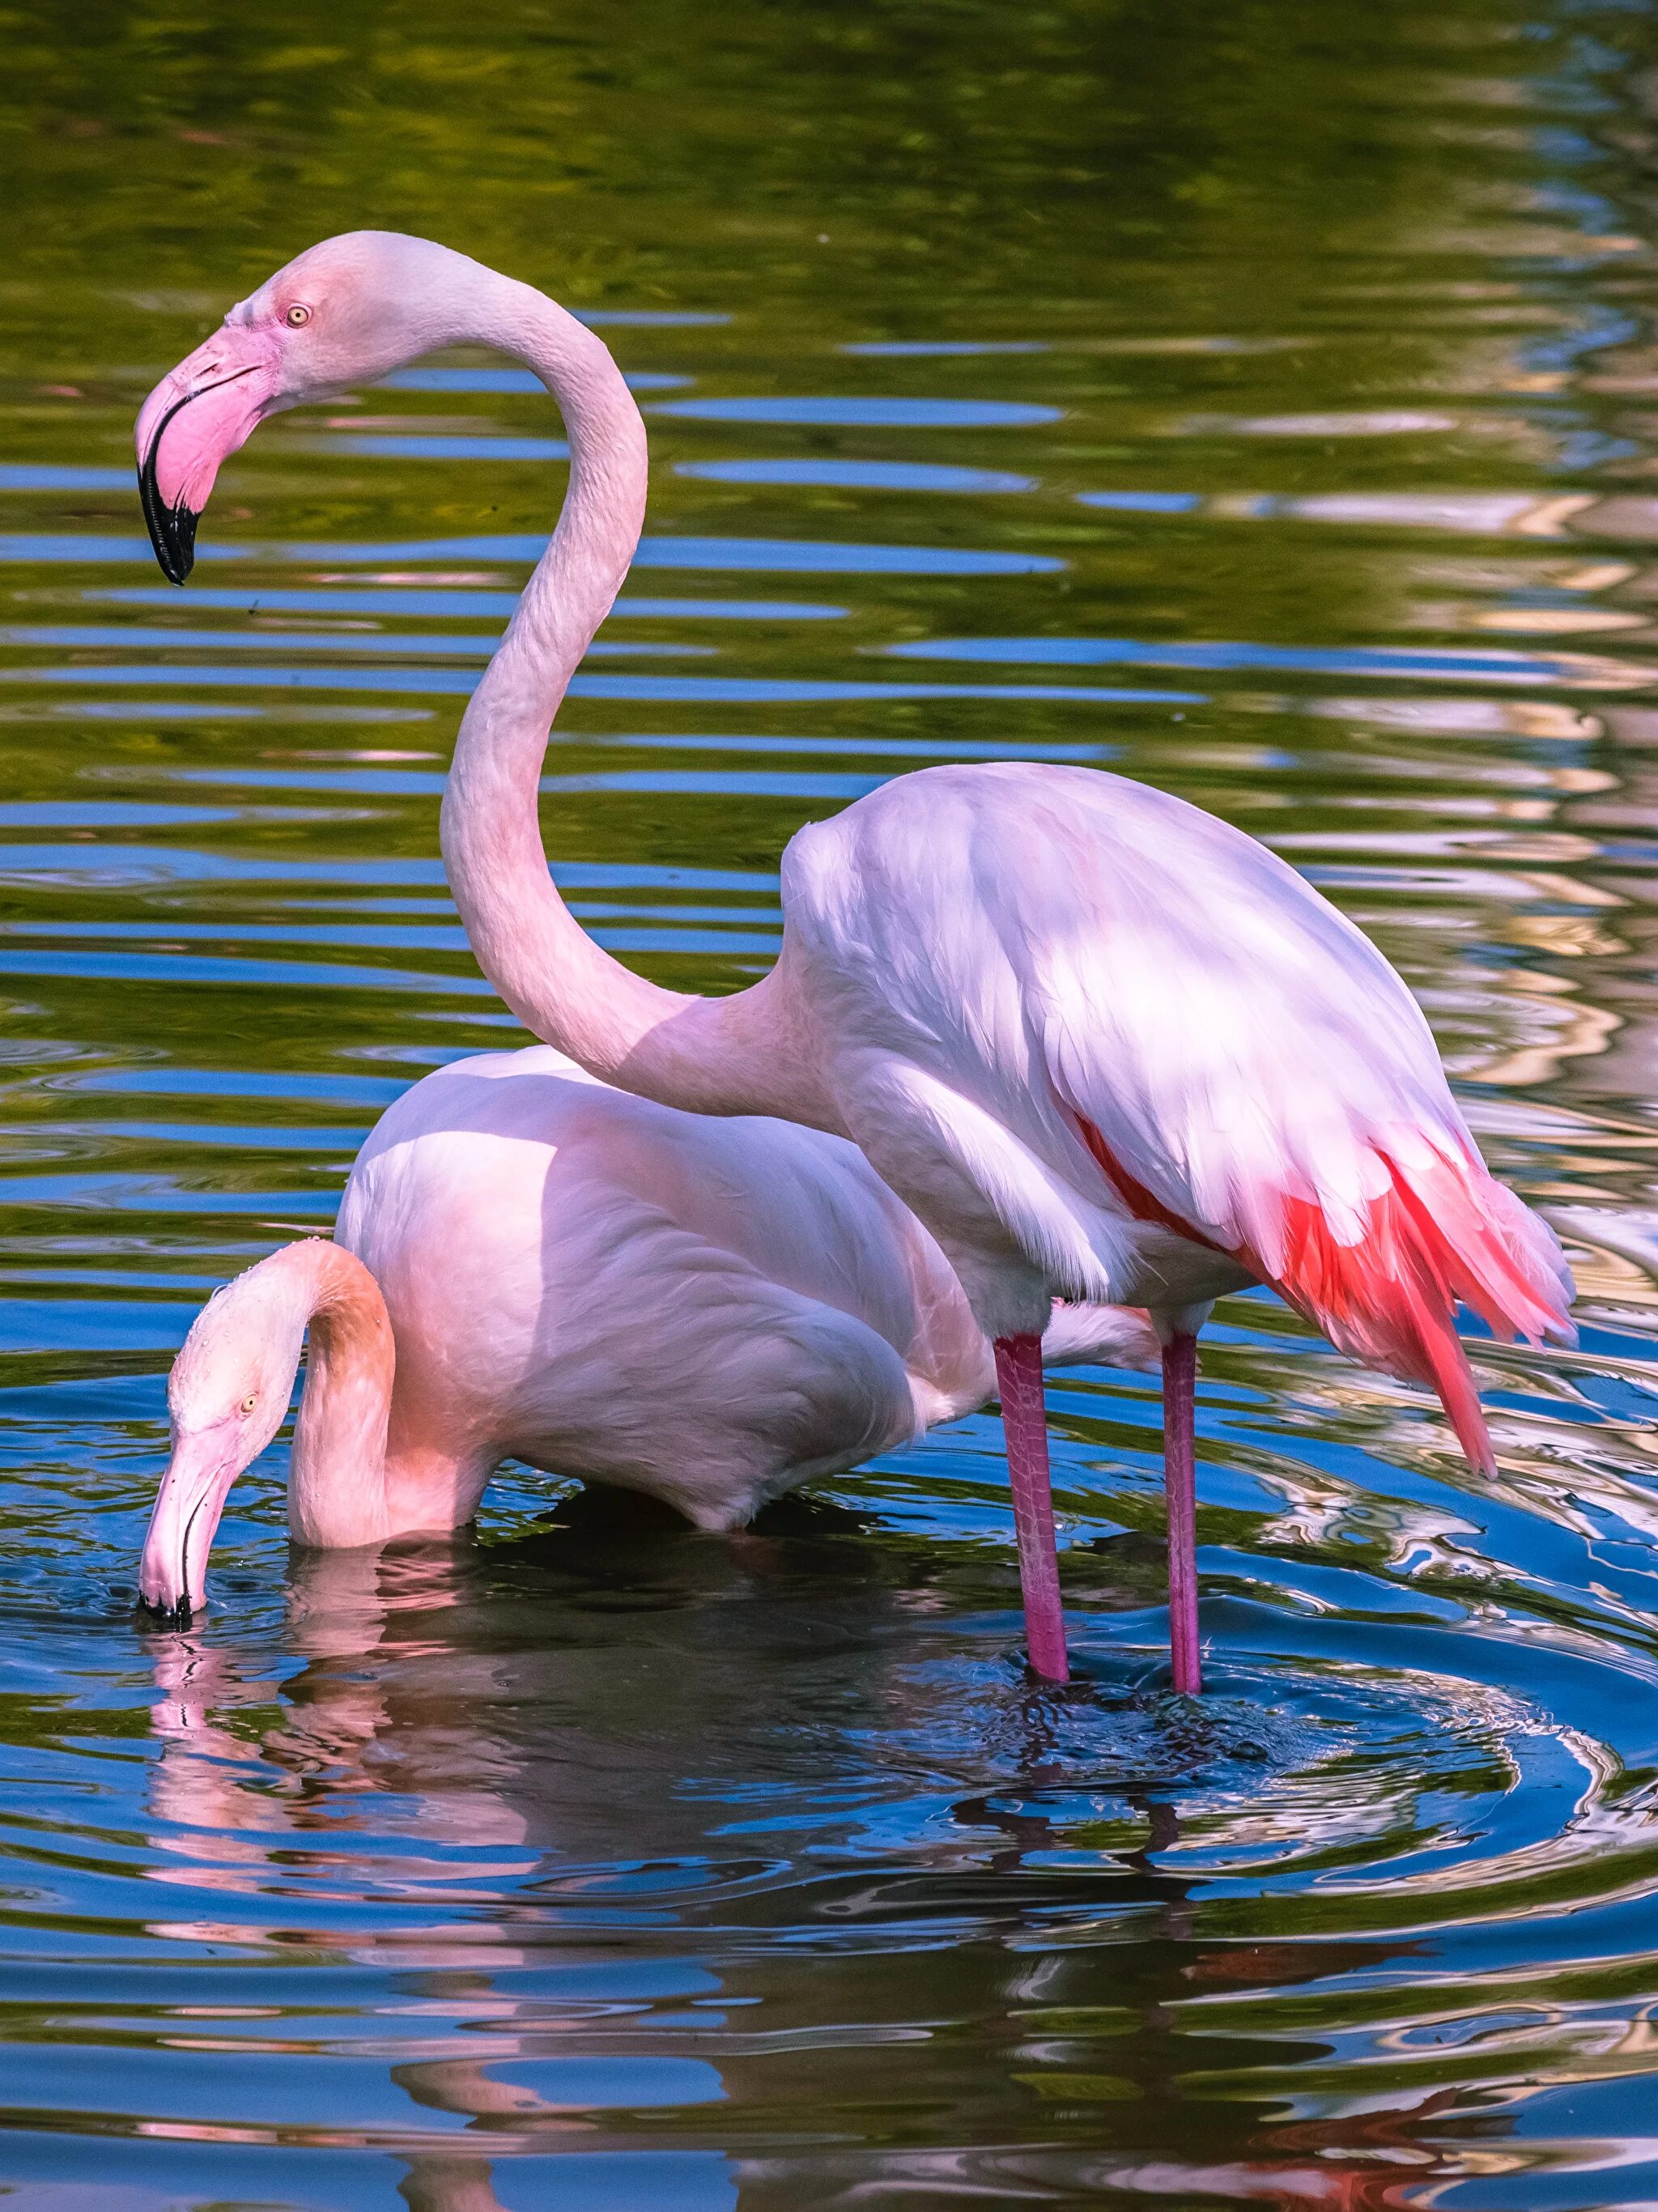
(530, 1265)
(1106, 1047)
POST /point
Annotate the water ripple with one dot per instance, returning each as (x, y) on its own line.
(1491, 666)
(898, 414)
(859, 476)
(799, 555)
(486, 606)
(506, 380)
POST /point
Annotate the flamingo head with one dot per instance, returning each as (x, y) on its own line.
(227, 1395)
(345, 312)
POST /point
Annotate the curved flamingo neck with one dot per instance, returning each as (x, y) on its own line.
(741, 1054)
(337, 1485)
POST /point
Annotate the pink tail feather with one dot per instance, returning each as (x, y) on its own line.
(1440, 1237)
(1443, 1234)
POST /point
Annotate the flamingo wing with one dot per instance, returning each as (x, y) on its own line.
(1163, 1019)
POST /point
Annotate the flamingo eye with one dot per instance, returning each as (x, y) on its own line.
(297, 317)
(249, 1402)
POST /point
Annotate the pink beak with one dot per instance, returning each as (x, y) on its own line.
(172, 1571)
(195, 418)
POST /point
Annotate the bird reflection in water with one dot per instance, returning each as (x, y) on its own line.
(477, 1785)
(1372, 2161)
(522, 1711)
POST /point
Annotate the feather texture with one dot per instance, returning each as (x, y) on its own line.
(710, 1310)
(1108, 1046)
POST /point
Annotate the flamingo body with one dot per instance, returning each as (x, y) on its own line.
(529, 1264)
(1111, 1048)
(707, 1311)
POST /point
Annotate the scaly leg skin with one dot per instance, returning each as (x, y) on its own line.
(1180, 1475)
(1024, 1423)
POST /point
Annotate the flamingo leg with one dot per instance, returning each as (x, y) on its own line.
(1179, 1379)
(1024, 1423)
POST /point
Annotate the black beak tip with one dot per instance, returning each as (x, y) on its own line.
(176, 550)
(151, 1615)
(171, 529)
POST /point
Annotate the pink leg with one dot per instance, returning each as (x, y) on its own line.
(1180, 1475)
(1024, 1422)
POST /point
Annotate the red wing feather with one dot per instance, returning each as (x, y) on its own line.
(1439, 1236)
(1389, 1301)
(1143, 1204)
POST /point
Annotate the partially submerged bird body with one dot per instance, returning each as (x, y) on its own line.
(709, 1311)
(529, 1265)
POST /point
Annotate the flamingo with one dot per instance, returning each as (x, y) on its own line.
(530, 1264)
(1105, 1046)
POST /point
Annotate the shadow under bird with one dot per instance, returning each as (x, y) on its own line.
(1108, 1047)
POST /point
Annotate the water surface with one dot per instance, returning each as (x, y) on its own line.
(1260, 403)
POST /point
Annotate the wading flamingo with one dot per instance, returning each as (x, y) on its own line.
(529, 1264)
(1106, 1047)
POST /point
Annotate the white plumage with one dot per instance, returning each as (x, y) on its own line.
(708, 1310)
(1110, 1047)
(530, 1265)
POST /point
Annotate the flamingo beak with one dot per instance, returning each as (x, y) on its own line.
(172, 1571)
(196, 418)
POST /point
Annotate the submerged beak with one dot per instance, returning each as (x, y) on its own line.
(197, 417)
(172, 1572)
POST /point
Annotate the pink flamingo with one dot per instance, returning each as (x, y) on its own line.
(1105, 1046)
(529, 1264)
